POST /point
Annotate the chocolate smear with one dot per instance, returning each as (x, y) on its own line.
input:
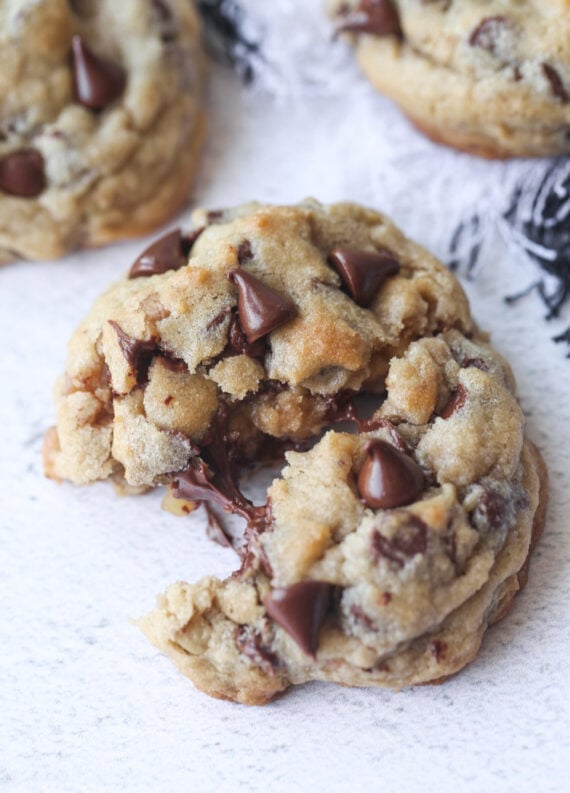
(376, 17)
(455, 402)
(167, 253)
(301, 610)
(410, 539)
(97, 81)
(388, 477)
(438, 649)
(261, 309)
(487, 32)
(363, 272)
(250, 643)
(557, 86)
(22, 173)
(138, 353)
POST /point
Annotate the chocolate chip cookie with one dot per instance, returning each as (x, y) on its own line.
(101, 120)
(379, 557)
(490, 78)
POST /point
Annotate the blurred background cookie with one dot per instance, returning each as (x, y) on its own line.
(489, 78)
(100, 120)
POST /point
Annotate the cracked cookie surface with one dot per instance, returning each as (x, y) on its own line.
(490, 78)
(101, 120)
(381, 557)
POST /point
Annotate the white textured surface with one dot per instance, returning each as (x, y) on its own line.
(85, 703)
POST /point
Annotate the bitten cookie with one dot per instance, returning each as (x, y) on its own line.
(490, 78)
(381, 557)
(100, 120)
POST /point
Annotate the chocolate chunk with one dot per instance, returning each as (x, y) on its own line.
(261, 309)
(388, 477)
(97, 82)
(301, 610)
(488, 31)
(454, 403)
(556, 84)
(363, 272)
(250, 643)
(410, 539)
(138, 353)
(377, 17)
(22, 173)
(167, 253)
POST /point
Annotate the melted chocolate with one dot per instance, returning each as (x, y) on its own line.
(410, 539)
(97, 82)
(376, 17)
(388, 478)
(261, 309)
(250, 643)
(22, 173)
(301, 609)
(244, 252)
(138, 353)
(363, 272)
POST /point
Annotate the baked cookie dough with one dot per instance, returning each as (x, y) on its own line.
(489, 78)
(100, 120)
(380, 557)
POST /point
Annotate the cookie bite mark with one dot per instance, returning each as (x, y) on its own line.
(363, 272)
(388, 478)
(167, 253)
(22, 173)
(97, 81)
(301, 610)
(376, 17)
(261, 309)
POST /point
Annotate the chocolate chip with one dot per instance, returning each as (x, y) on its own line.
(488, 31)
(363, 272)
(438, 649)
(238, 341)
(189, 239)
(301, 610)
(377, 17)
(214, 215)
(97, 82)
(165, 254)
(410, 539)
(138, 353)
(250, 643)
(454, 403)
(557, 86)
(388, 477)
(244, 253)
(22, 173)
(261, 309)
